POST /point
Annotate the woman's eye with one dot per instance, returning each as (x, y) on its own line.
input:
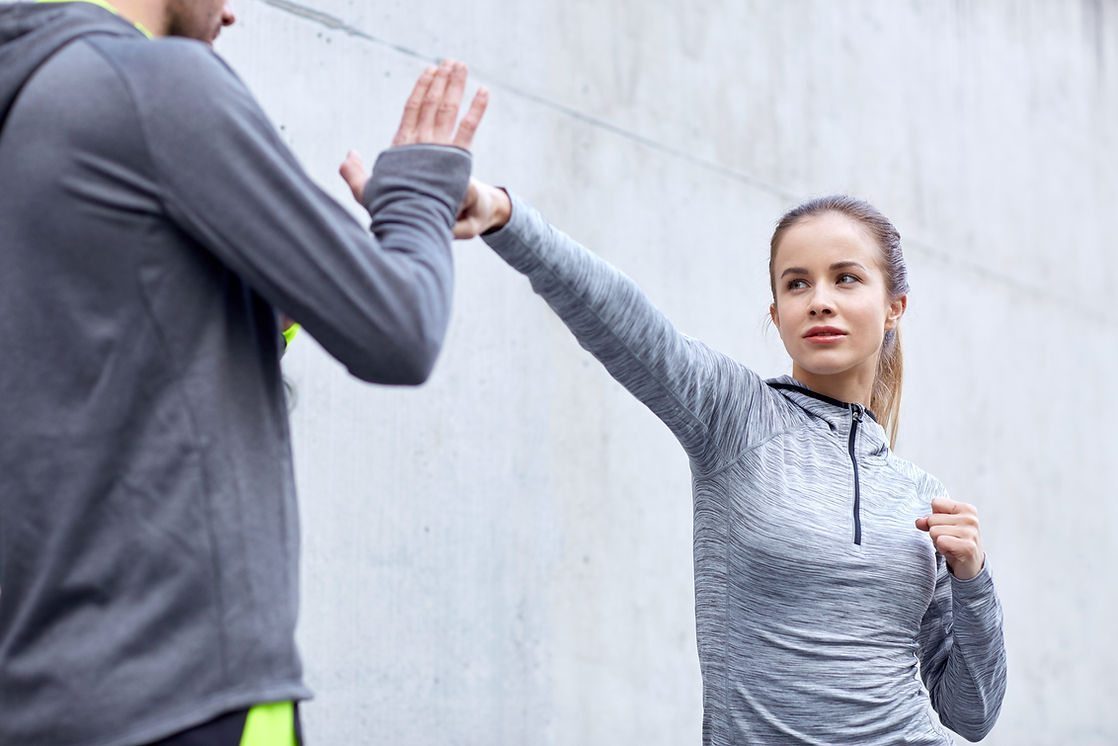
(847, 279)
(796, 284)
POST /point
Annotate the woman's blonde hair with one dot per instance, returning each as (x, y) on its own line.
(885, 400)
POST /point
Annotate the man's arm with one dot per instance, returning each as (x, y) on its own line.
(378, 302)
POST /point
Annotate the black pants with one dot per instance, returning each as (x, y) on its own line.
(224, 730)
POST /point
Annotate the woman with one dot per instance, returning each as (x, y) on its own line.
(820, 604)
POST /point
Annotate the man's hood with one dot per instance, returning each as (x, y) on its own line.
(30, 33)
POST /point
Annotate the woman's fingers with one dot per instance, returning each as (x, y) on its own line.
(948, 512)
(468, 218)
(954, 530)
(466, 228)
(947, 505)
(483, 209)
(959, 532)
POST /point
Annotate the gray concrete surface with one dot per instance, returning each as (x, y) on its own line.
(504, 555)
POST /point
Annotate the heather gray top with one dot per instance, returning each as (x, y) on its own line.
(819, 605)
(152, 222)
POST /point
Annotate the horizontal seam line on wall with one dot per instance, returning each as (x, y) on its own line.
(979, 270)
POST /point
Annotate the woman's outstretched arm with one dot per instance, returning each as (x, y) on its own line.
(689, 386)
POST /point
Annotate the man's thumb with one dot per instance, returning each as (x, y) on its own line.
(353, 171)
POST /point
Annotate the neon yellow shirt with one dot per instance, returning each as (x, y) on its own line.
(289, 333)
(108, 7)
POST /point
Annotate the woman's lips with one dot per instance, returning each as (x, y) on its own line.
(824, 335)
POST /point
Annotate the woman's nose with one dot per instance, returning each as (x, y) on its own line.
(821, 304)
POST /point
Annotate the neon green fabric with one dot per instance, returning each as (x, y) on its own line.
(270, 725)
(106, 6)
(289, 334)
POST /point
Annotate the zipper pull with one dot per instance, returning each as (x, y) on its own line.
(856, 412)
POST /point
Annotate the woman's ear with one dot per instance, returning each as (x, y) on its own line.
(896, 310)
(773, 315)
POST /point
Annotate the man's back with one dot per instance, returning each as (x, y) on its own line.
(151, 223)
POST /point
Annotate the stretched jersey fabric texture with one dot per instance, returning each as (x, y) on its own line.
(823, 615)
(153, 222)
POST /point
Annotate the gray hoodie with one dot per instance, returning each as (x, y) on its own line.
(151, 223)
(823, 615)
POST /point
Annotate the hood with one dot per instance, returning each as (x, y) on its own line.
(30, 33)
(837, 414)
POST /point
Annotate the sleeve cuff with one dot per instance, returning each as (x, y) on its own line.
(440, 172)
(978, 587)
(519, 240)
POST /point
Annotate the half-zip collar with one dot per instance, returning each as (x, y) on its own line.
(856, 411)
(864, 436)
(835, 412)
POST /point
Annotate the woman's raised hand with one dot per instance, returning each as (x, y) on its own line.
(429, 118)
(953, 528)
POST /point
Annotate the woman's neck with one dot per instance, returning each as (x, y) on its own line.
(853, 386)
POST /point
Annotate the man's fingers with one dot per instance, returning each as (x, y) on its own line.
(431, 111)
(447, 112)
(353, 171)
(406, 134)
(464, 138)
(425, 127)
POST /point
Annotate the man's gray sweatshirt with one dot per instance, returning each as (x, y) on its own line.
(823, 615)
(151, 224)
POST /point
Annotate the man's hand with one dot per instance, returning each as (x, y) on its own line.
(484, 208)
(432, 109)
(953, 528)
(430, 116)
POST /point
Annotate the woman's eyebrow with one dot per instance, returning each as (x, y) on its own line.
(834, 268)
(846, 265)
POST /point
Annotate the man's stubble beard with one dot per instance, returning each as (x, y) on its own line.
(183, 18)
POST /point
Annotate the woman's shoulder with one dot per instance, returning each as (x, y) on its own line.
(925, 483)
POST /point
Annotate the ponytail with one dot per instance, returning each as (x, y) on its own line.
(885, 401)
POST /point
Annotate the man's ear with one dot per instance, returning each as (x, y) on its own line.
(896, 310)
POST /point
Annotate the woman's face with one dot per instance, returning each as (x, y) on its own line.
(831, 302)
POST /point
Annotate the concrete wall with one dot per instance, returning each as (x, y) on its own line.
(504, 555)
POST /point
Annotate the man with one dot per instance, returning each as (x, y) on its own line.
(151, 221)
